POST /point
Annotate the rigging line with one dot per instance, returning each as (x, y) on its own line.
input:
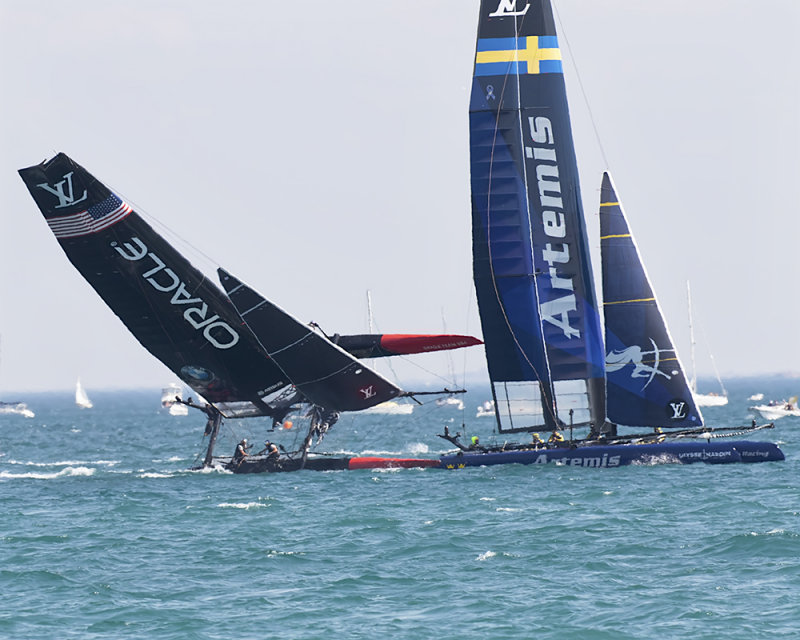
(426, 370)
(158, 223)
(583, 91)
(489, 243)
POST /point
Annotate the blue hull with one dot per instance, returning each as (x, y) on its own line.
(712, 452)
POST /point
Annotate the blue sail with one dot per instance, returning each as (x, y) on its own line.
(531, 266)
(646, 384)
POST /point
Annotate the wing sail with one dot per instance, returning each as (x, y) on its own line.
(173, 310)
(323, 372)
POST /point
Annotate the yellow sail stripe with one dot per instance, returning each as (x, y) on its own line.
(621, 235)
(627, 301)
(609, 204)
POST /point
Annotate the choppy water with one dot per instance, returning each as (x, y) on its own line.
(105, 534)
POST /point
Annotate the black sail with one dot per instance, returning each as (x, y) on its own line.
(173, 310)
(324, 373)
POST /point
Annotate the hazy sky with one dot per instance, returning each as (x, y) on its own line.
(318, 150)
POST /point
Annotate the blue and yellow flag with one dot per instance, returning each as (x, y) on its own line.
(517, 56)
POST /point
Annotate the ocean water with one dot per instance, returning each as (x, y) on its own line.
(106, 534)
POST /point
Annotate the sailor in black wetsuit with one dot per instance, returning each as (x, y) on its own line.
(240, 454)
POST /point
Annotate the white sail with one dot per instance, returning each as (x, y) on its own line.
(81, 398)
(168, 396)
(703, 399)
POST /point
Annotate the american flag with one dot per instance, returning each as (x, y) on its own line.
(96, 218)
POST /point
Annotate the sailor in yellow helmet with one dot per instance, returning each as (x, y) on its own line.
(536, 440)
(555, 437)
(476, 443)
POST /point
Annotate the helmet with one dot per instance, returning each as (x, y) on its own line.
(244, 440)
(474, 439)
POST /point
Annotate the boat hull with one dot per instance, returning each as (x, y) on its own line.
(600, 456)
(260, 464)
(775, 412)
(711, 452)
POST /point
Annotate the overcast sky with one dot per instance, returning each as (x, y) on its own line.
(318, 150)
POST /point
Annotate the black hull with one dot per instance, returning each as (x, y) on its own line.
(262, 465)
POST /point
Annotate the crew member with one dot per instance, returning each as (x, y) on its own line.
(476, 443)
(272, 451)
(555, 438)
(240, 453)
(536, 440)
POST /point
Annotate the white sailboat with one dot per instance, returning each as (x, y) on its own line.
(703, 399)
(81, 398)
(168, 395)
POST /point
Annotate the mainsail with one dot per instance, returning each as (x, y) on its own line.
(645, 380)
(531, 264)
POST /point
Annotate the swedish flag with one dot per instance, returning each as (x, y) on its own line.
(517, 56)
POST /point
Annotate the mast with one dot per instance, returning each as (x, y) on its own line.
(214, 422)
(693, 377)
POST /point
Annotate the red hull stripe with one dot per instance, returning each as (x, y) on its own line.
(399, 343)
(391, 463)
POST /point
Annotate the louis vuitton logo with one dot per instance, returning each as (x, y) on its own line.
(509, 8)
(66, 197)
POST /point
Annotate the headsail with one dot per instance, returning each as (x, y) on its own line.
(324, 373)
(646, 383)
(531, 263)
(172, 309)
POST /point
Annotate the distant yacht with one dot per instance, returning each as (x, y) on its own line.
(168, 395)
(81, 398)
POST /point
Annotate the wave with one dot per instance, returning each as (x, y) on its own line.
(68, 471)
(64, 463)
(241, 505)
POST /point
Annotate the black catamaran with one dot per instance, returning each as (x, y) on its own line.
(549, 367)
(243, 355)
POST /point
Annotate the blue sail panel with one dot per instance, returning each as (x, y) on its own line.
(646, 384)
(531, 265)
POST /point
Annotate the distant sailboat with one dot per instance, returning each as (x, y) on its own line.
(168, 396)
(81, 398)
(703, 399)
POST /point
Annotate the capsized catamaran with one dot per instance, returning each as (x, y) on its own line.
(549, 367)
(243, 359)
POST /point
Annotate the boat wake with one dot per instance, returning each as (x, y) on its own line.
(651, 461)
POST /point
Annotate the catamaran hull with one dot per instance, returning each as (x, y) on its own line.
(262, 465)
(711, 452)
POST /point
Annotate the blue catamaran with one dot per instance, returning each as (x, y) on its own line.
(551, 370)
